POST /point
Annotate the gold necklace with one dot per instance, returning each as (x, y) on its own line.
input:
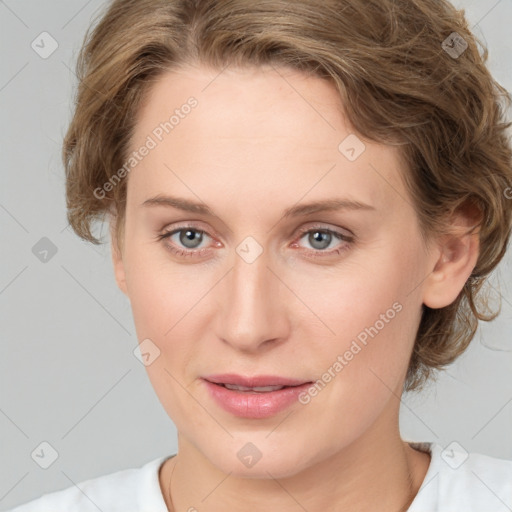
(410, 496)
(169, 490)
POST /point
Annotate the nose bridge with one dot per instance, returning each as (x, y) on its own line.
(252, 314)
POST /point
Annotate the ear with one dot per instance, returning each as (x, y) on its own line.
(117, 256)
(455, 258)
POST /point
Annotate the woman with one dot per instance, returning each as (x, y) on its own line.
(305, 199)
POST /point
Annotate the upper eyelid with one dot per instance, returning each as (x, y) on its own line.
(298, 233)
(322, 227)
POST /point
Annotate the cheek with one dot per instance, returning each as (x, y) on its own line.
(170, 306)
(369, 319)
(161, 292)
(164, 301)
(361, 368)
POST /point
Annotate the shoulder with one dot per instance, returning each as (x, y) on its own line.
(458, 480)
(123, 491)
(475, 481)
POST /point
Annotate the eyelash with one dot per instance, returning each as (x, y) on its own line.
(310, 253)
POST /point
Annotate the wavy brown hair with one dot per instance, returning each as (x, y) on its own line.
(397, 83)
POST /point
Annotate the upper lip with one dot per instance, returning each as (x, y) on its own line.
(254, 381)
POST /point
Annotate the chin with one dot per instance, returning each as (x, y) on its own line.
(258, 458)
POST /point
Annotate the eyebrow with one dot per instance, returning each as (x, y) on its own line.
(333, 204)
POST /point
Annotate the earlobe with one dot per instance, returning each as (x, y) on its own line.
(457, 256)
(117, 259)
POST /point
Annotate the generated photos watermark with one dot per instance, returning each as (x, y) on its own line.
(355, 347)
(151, 142)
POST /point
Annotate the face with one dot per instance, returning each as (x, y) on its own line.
(257, 284)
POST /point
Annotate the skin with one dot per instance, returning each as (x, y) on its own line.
(258, 142)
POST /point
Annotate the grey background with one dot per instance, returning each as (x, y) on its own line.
(68, 373)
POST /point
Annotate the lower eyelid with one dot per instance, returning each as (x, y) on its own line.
(191, 252)
(169, 234)
(343, 239)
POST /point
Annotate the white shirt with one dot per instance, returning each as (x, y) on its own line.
(455, 482)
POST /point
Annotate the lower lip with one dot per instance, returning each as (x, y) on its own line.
(247, 404)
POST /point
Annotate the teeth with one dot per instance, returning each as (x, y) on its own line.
(260, 389)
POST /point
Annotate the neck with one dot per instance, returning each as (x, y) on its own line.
(371, 473)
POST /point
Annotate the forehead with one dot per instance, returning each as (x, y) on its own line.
(251, 103)
(261, 130)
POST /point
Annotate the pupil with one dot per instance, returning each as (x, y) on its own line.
(188, 236)
(322, 237)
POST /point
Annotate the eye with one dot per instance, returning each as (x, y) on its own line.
(190, 238)
(321, 238)
(185, 241)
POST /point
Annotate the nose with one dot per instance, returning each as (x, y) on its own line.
(252, 306)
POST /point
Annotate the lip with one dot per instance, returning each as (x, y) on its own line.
(255, 381)
(255, 405)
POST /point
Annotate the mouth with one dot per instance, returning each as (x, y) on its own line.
(257, 383)
(255, 389)
(254, 397)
